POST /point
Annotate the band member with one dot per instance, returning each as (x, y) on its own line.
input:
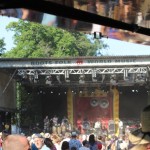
(86, 125)
(64, 125)
(120, 126)
(65, 121)
(97, 126)
(55, 120)
(51, 125)
(46, 124)
(79, 125)
(104, 130)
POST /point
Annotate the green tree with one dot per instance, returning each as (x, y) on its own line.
(2, 46)
(34, 40)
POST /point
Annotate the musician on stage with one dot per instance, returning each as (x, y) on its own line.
(46, 124)
(55, 120)
(97, 126)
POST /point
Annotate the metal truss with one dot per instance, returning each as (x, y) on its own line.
(130, 70)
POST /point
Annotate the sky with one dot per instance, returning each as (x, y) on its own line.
(116, 47)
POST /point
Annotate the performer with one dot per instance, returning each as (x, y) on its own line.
(86, 126)
(104, 130)
(65, 121)
(51, 125)
(120, 126)
(46, 124)
(97, 126)
(55, 120)
(64, 125)
(79, 124)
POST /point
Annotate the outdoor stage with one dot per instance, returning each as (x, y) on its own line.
(84, 88)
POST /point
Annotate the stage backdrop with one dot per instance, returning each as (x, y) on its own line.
(93, 107)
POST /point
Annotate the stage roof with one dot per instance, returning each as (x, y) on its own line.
(125, 20)
(79, 71)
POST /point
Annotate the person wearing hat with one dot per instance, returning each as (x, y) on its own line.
(39, 142)
(74, 142)
(140, 138)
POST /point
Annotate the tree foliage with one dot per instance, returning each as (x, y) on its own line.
(34, 40)
(2, 46)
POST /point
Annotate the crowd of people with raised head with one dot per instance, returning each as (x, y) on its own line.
(135, 140)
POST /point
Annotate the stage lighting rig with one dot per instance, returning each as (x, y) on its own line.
(99, 35)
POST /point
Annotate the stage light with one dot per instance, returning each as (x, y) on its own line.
(113, 80)
(48, 80)
(36, 76)
(98, 35)
(58, 78)
(103, 77)
(125, 74)
(67, 76)
(140, 78)
(24, 76)
(81, 79)
(31, 78)
(94, 76)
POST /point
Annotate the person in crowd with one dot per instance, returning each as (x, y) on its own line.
(121, 143)
(48, 142)
(1, 140)
(92, 142)
(102, 140)
(33, 147)
(120, 127)
(65, 138)
(17, 142)
(56, 140)
(39, 142)
(47, 135)
(65, 145)
(74, 142)
(140, 138)
(85, 146)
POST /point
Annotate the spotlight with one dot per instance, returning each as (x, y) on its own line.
(48, 80)
(36, 76)
(103, 77)
(98, 35)
(58, 78)
(67, 76)
(81, 79)
(126, 75)
(94, 76)
(113, 80)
